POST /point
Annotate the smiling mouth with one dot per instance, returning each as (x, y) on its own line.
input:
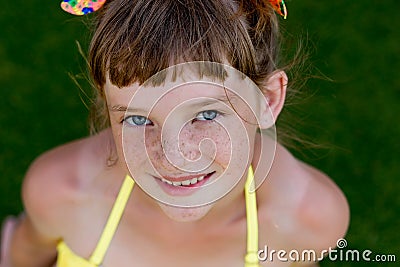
(190, 182)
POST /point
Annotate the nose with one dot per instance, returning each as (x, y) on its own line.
(179, 151)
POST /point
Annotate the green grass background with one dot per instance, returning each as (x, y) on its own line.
(355, 43)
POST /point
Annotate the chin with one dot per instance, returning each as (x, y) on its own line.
(180, 214)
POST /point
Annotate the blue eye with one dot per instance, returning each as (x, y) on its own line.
(136, 120)
(207, 115)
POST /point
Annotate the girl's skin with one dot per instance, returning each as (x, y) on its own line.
(69, 191)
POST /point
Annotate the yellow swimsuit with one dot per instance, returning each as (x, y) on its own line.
(67, 258)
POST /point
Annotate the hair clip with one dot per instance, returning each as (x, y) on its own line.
(280, 7)
(81, 7)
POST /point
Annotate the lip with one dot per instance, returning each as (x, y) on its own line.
(183, 190)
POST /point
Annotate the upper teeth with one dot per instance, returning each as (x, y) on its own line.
(186, 182)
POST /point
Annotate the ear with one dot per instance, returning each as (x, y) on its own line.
(274, 91)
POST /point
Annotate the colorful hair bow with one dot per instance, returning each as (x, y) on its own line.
(81, 7)
(280, 7)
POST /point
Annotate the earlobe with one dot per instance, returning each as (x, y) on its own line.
(274, 92)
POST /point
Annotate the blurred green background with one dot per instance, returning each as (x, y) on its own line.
(355, 43)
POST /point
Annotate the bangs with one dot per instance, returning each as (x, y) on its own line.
(136, 39)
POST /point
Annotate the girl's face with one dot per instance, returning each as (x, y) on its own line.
(186, 144)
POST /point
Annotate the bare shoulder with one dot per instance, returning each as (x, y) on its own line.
(308, 207)
(55, 182)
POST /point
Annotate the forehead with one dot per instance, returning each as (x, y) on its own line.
(136, 95)
(185, 85)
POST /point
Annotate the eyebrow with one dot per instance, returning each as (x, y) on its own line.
(212, 100)
(121, 108)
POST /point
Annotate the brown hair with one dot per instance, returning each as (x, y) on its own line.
(135, 39)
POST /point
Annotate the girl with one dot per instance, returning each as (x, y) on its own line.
(185, 91)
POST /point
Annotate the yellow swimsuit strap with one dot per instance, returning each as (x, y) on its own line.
(113, 221)
(251, 258)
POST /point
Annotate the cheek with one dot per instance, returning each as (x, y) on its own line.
(152, 145)
(133, 148)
